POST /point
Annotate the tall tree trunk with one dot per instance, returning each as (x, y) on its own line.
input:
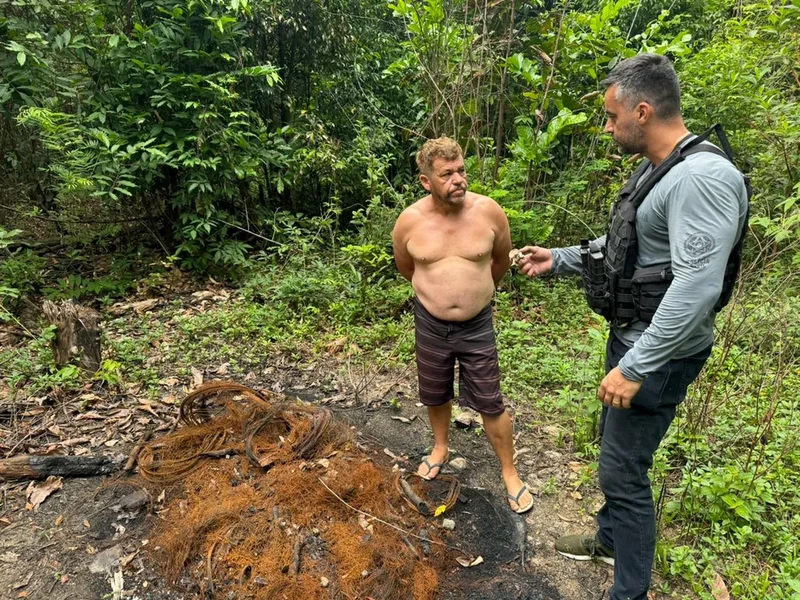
(498, 141)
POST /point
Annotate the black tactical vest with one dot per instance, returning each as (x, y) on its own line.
(614, 288)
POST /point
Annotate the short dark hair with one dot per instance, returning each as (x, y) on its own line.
(647, 78)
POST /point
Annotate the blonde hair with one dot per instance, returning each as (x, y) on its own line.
(442, 147)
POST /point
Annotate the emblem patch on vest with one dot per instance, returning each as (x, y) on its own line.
(697, 246)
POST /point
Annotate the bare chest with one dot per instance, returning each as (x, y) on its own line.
(432, 242)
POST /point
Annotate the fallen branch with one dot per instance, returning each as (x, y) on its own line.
(26, 466)
(298, 547)
(411, 546)
(129, 464)
(419, 503)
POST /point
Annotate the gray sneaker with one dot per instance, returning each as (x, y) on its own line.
(584, 547)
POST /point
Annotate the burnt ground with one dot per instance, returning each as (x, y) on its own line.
(61, 550)
(51, 553)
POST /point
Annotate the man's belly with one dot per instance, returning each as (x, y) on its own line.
(454, 289)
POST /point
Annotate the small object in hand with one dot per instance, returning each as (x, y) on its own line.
(516, 256)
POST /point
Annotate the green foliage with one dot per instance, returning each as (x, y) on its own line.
(161, 109)
(272, 143)
(109, 372)
(21, 272)
(32, 365)
(76, 287)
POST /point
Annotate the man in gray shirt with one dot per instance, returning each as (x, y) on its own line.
(690, 220)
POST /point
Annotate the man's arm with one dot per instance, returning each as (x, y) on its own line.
(502, 243)
(703, 216)
(402, 258)
(567, 261)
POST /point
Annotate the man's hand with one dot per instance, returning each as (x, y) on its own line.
(536, 261)
(616, 391)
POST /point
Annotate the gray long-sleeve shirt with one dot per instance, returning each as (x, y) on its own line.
(691, 218)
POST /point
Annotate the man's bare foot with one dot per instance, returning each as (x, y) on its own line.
(519, 498)
(431, 465)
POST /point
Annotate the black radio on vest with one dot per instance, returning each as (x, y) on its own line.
(618, 291)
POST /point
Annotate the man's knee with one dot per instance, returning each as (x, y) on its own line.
(623, 489)
(611, 478)
(620, 475)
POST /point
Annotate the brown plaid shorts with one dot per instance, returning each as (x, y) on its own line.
(439, 343)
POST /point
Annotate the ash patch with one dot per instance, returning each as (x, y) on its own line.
(485, 528)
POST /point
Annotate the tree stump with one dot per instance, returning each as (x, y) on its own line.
(77, 334)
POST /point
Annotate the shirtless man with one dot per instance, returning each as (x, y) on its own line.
(453, 246)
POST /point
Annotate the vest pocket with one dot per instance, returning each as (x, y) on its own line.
(648, 287)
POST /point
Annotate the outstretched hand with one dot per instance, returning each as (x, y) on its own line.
(536, 261)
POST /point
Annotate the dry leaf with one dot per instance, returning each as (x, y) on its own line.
(73, 442)
(144, 305)
(465, 562)
(197, 377)
(147, 407)
(59, 520)
(223, 369)
(86, 524)
(24, 582)
(402, 419)
(139, 307)
(35, 495)
(125, 561)
(90, 415)
(575, 466)
(336, 346)
(576, 495)
(718, 589)
(203, 295)
(521, 451)
(365, 524)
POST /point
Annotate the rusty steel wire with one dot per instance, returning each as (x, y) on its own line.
(196, 407)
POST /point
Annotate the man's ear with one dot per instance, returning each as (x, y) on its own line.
(644, 112)
(426, 182)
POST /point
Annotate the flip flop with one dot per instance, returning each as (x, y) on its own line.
(521, 509)
(432, 466)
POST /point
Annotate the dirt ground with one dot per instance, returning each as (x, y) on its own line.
(74, 542)
(59, 550)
